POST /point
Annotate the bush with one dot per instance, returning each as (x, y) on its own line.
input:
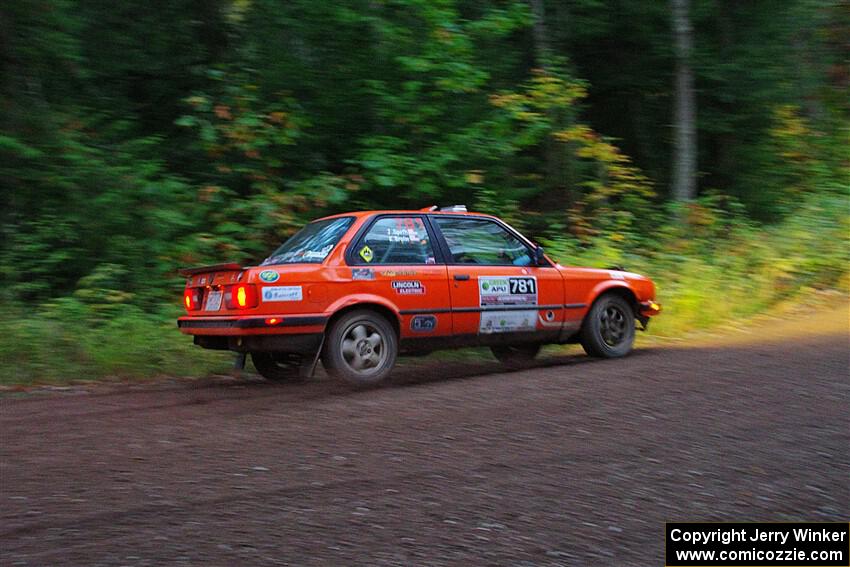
(69, 341)
(714, 265)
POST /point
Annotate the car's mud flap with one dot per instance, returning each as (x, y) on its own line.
(239, 364)
(308, 367)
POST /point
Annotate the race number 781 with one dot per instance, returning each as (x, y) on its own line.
(522, 285)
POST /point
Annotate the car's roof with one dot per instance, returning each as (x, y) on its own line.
(363, 214)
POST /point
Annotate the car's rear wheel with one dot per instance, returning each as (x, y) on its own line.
(608, 330)
(278, 367)
(360, 348)
(515, 356)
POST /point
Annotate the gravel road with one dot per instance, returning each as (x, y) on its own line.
(573, 462)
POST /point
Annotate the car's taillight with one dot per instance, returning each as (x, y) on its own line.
(241, 296)
(192, 298)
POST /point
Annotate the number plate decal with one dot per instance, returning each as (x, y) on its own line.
(213, 301)
(507, 290)
(423, 324)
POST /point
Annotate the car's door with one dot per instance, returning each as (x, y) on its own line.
(394, 256)
(496, 287)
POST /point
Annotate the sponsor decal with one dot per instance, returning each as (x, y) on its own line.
(402, 235)
(407, 231)
(283, 293)
(408, 287)
(318, 254)
(366, 253)
(507, 322)
(269, 276)
(362, 274)
(617, 276)
(397, 273)
(507, 290)
(423, 324)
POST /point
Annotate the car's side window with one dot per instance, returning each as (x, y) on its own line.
(395, 240)
(481, 241)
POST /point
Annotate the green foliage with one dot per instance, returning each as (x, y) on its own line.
(604, 183)
(714, 265)
(70, 341)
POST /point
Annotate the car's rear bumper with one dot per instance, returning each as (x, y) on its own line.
(299, 343)
(252, 325)
(270, 333)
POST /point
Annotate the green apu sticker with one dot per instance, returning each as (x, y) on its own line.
(366, 253)
(269, 276)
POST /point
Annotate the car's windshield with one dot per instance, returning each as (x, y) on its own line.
(311, 244)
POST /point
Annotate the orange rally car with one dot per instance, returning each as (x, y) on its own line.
(358, 289)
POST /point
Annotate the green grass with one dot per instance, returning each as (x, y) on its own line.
(714, 269)
(71, 342)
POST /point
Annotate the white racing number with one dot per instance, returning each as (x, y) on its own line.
(522, 285)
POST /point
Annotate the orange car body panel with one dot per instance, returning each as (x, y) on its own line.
(438, 300)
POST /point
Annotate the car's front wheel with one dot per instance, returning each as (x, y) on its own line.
(360, 348)
(608, 330)
(277, 367)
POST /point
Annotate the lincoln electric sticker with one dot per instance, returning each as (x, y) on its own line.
(507, 290)
(507, 322)
(408, 287)
(282, 293)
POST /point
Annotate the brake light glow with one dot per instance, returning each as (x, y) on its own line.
(241, 296)
(192, 299)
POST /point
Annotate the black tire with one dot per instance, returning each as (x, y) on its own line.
(515, 356)
(361, 348)
(277, 367)
(608, 330)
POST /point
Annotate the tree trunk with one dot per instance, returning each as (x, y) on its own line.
(685, 107)
(541, 39)
(556, 182)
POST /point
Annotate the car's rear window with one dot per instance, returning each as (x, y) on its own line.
(311, 244)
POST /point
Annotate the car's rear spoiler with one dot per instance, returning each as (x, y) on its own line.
(206, 269)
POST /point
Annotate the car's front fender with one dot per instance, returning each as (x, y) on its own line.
(608, 285)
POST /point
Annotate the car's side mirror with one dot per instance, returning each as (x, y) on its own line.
(539, 256)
